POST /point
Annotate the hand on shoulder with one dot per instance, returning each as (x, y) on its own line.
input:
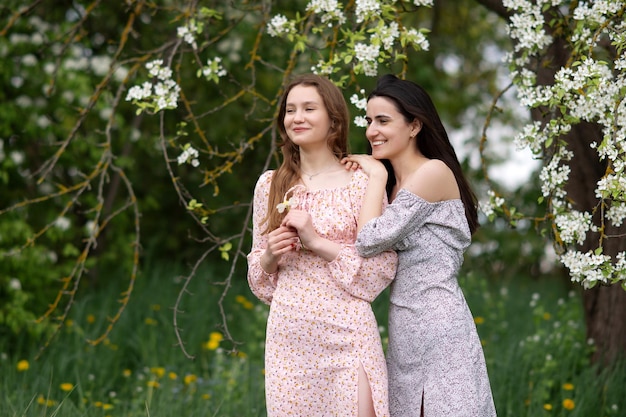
(371, 167)
(433, 181)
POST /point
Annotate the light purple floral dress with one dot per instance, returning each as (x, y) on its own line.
(434, 350)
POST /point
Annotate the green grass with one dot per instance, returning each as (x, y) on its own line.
(533, 335)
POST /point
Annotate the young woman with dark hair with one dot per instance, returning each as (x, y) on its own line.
(435, 359)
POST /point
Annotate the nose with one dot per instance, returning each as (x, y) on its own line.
(370, 131)
(298, 116)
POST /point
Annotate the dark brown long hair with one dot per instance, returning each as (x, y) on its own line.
(288, 174)
(414, 103)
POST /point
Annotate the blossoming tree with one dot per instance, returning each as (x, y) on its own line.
(210, 67)
(568, 65)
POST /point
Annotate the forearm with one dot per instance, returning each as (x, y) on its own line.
(372, 201)
(325, 248)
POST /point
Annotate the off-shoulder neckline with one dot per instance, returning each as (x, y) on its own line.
(410, 194)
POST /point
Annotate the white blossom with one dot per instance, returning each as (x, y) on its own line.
(63, 223)
(189, 156)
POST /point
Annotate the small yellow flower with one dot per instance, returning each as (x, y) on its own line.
(66, 386)
(568, 387)
(153, 384)
(91, 318)
(214, 340)
(206, 396)
(568, 404)
(107, 406)
(547, 407)
(23, 365)
(156, 307)
(479, 320)
(172, 376)
(47, 402)
(158, 371)
(126, 373)
(150, 321)
(546, 316)
(98, 404)
(190, 379)
(69, 323)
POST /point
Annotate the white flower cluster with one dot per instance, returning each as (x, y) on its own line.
(573, 226)
(367, 56)
(386, 35)
(188, 33)
(329, 9)
(214, 69)
(526, 26)
(189, 156)
(281, 26)
(589, 268)
(365, 9)
(490, 206)
(417, 39)
(361, 104)
(163, 94)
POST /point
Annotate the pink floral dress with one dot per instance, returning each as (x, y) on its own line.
(321, 326)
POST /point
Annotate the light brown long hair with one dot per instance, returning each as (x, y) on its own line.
(288, 174)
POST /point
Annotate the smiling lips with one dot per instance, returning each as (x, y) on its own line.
(378, 142)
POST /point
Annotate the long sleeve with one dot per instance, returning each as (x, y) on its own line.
(364, 278)
(261, 283)
(399, 219)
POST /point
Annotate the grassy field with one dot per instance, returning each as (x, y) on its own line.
(532, 331)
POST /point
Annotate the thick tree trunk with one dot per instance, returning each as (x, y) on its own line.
(604, 306)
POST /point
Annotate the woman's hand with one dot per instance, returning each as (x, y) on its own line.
(370, 166)
(279, 241)
(301, 223)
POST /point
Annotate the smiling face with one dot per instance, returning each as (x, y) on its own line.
(306, 119)
(387, 130)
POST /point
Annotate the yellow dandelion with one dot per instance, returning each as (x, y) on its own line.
(190, 379)
(206, 396)
(212, 344)
(69, 323)
(547, 316)
(153, 384)
(98, 404)
(45, 401)
(568, 387)
(126, 373)
(66, 386)
(150, 321)
(107, 406)
(568, 404)
(547, 407)
(158, 371)
(214, 341)
(479, 320)
(23, 365)
(172, 376)
(91, 318)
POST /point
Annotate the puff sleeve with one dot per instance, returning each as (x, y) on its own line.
(362, 277)
(261, 283)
